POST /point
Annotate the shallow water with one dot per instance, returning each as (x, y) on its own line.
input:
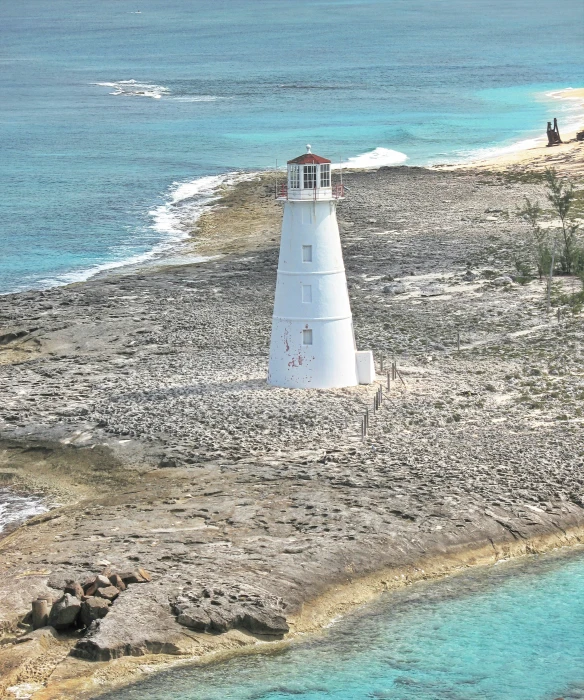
(112, 109)
(509, 632)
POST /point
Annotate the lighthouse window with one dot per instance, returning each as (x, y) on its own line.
(307, 294)
(294, 177)
(325, 175)
(307, 336)
(306, 253)
(309, 177)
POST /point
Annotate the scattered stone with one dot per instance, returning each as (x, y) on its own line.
(74, 588)
(395, 288)
(108, 592)
(64, 612)
(94, 608)
(116, 580)
(137, 576)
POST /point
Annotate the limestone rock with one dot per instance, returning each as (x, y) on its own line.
(108, 592)
(264, 621)
(138, 624)
(195, 618)
(94, 608)
(116, 580)
(74, 588)
(64, 612)
(394, 288)
(137, 576)
(208, 616)
(90, 587)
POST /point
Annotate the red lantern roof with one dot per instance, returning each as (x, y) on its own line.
(310, 158)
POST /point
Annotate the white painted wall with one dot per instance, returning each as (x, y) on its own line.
(330, 360)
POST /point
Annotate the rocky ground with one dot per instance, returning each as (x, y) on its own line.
(139, 402)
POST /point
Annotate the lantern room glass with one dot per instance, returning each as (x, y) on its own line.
(294, 177)
(309, 177)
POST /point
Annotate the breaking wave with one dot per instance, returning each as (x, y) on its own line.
(377, 158)
(186, 201)
(16, 507)
(134, 88)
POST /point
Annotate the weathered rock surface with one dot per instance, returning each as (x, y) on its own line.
(75, 589)
(219, 609)
(64, 612)
(107, 592)
(94, 608)
(270, 493)
(137, 624)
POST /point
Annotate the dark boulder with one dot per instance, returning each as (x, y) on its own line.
(108, 592)
(64, 612)
(94, 608)
(74, 588)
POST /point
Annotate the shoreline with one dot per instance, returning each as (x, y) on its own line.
(87, 680)
(141, 397)
(182, 242)
(341, 601)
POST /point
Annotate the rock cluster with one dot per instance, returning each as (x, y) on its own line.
(219, 609)
(83, 603)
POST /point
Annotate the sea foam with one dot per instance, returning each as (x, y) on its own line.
(186, 201)
(136, 89)
(377, 158)
(172, 221)
(16, 507)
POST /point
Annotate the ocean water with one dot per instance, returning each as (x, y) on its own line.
(119, 117)
(16, 507)
(509, 632)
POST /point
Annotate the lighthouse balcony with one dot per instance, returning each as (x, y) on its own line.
(285, 193)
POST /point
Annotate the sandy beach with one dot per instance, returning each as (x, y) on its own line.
(566, 158)
(138, 401)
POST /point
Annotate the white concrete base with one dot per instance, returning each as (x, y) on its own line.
(365, 366)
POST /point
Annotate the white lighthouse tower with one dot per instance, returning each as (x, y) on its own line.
(313, 344)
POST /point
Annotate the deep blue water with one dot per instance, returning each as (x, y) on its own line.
(510, 632)
(91, 162)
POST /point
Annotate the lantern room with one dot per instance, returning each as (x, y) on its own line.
(309, 177)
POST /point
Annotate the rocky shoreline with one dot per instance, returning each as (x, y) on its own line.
(140, 399)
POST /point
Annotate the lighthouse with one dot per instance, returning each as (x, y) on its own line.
(313, 343)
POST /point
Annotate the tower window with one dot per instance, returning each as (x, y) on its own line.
(307, 336)
(306, 253)
(309, 177)
(294, 177)
(325, 175)
(307, 294)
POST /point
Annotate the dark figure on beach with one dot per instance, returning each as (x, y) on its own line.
(553, 134)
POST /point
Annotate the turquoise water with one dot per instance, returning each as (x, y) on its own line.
(113, 110)
(511, 632)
